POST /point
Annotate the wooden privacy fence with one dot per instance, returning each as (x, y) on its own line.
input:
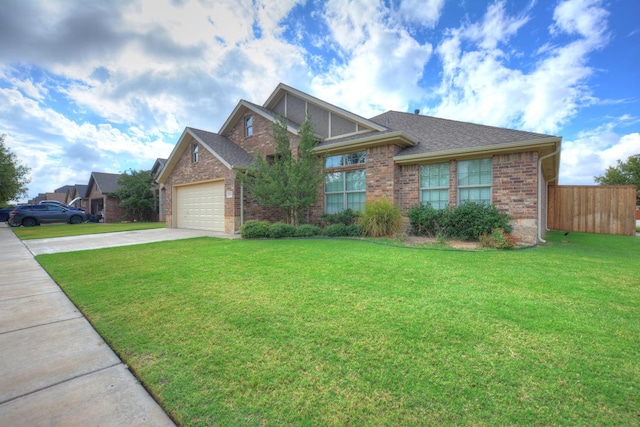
(592, 209)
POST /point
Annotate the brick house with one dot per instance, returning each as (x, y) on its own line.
(408, 158)
(100, 195)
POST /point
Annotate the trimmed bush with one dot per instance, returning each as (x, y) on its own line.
(380, 218)
(335, 230)
(425, 220)
(353, 230)
(279, 230)
(254, 229)
(346, 217)
(468, 221)
(307, 230)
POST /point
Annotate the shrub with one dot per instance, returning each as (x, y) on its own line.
(380, 218)
(425, 220)
(254, 229)
(502, 240)
(335, 230)
(353, 230)
(307, 230)
(468, 221)
(279, 230)
(346, 217)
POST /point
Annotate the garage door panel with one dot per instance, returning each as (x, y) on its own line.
(201, 206)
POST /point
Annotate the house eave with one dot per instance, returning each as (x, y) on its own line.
(239, 111)
(542, 145)
(397, 138)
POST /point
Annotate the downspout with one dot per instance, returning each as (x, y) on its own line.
(540, 179)
(241, 204)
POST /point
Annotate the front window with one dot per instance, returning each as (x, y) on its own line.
(248, 126)
(345, 190)
(434, 185)
(194, 153)
(346, 159)
(474, 181)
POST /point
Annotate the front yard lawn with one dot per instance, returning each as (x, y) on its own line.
(345, 332)
(63, 230)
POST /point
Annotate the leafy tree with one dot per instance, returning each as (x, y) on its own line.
(289, 181)
(625, 173)
(136, 194)
(13, 176)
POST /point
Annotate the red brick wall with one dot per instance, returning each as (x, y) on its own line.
(383, 174)
(208, 168)
(111, 206)
(514, 190)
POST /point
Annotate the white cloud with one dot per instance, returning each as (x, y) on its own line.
(479, 85)
(421, 12)
(380, 64)
(594, 150)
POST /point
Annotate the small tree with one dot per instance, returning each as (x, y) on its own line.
(625, 173)
(289, 182)
(136, 194)
(13, 176)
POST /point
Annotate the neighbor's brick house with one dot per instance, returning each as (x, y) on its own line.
(408, 158)
(99, 192)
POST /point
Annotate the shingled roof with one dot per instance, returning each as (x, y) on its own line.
(230, 153)
(106, 183)
(434, 134)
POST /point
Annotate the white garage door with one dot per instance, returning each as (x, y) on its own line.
(201, 206)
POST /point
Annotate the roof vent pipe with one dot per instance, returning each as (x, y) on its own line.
(416, 111)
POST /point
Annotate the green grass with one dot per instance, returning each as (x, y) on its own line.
(63, 230)
(346, 332)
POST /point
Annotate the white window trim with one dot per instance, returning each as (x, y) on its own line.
(344, 191)
(423, 189)
(462, 187)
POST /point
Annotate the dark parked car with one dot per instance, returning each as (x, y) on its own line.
(4, 214)
(57, 203)
(30, 215)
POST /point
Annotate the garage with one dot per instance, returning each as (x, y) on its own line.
(201, 206)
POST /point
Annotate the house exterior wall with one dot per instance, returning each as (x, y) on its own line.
(110, 206)
(514, 190)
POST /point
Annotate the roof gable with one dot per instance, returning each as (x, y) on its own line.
(106, 183)
(225, 150)
(329, 120)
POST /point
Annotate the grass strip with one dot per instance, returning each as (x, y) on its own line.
(64, 230)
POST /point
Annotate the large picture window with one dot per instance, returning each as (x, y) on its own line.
(434, 185)
(345, 190)
(474, 181)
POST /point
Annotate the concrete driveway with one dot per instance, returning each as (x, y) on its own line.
(56, 370)
(123, 238)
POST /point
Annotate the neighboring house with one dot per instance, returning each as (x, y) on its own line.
(57, 196)
(408, 158)
(79, 190)
(159, 192)
(100, 195)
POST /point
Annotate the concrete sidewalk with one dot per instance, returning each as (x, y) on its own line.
(55, 368)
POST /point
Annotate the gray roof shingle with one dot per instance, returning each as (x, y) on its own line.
(435, 134)
(107, 182)
(230, 152)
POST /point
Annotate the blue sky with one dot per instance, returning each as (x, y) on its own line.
(109, 86)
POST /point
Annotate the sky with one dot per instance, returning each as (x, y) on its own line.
(109, 86)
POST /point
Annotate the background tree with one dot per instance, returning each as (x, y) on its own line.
(290, 180)
(625, 173)
(136, 194)
(13, 176)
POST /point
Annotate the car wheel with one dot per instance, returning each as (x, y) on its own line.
(76, 220)
(29, 222)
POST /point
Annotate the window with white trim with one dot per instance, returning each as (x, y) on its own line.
(194, 153)
(248, 126)
(345, 190)
(349, 159)
(434, 185)
(474, 181)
